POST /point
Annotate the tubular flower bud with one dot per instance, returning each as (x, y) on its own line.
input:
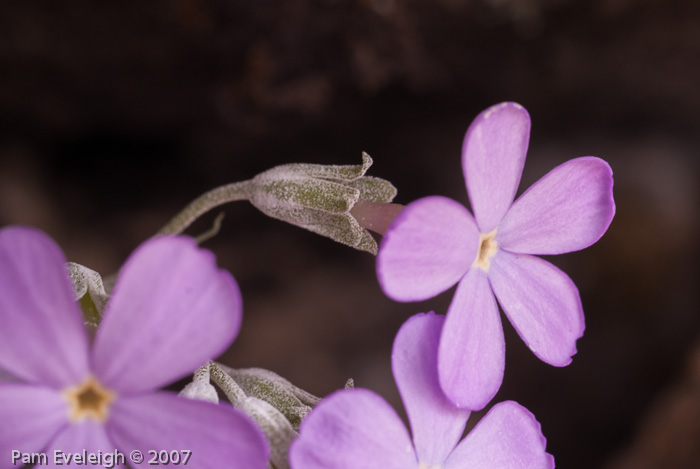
(320, 198)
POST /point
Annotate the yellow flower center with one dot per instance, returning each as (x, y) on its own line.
(487, 248)
(88, 400)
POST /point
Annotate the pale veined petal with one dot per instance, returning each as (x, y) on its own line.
(569, 209)
(541, 302)
(427, 249)
(493, 156)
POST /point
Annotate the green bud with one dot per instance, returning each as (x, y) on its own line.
(200, 388)
(251, 400)
(89, 291)
(293, 402)
(275, 404)
(320, 197)
(274, 425)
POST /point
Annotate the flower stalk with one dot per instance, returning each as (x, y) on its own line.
(335, 201)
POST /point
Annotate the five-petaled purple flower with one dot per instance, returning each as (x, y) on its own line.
(357, 429)
(435, 242)
(171, 311)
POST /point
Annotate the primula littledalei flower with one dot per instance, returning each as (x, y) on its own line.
(435, 242)
(171, 310)
(357, 429)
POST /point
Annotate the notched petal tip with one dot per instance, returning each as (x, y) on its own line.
(507, 437)
(548, 459)
(608, 198)
(531, 425)
(542, 303)
(568, 209)
(176, 308)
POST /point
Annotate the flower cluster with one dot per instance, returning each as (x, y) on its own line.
(67, 386)
(435, 242)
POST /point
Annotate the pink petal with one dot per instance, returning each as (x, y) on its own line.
(218, 436)
(31, 416)
(568, 209)
(74, 445)
(171, 311)
(5, 376)
(508, 437)
(493, 156)
(427, 249)
(352, 429)
(436, 423)
(471, 357)
(37, 307)
(542, 303)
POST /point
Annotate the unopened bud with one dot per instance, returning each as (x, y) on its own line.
(320, 198)
(293, 402)
(89, 291)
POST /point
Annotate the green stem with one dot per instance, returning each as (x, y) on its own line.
(204, 203)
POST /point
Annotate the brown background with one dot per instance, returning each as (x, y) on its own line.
(113, 115)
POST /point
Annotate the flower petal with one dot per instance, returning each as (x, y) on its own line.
(171, 310)
(507, 437)
(31, 416)
(542, 303)
(217, 435)
(38, 304)
(471, 357)
(352, 429)
(437, 425)
(78, 441)
(5, 376)
(427, 249)
(569, 209)
(493, 156)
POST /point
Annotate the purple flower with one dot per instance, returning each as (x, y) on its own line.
(357, 429)
(171, 311)
(435, 242)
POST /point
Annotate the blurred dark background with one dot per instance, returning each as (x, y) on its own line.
(114, 115)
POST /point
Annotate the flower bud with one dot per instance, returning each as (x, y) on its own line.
(275, 426)
(200, 388)
(276, 405)
(320, 198)
(89, 291)
(293, 402)
(200, 391)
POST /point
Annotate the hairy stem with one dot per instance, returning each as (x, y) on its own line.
(205, 202)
